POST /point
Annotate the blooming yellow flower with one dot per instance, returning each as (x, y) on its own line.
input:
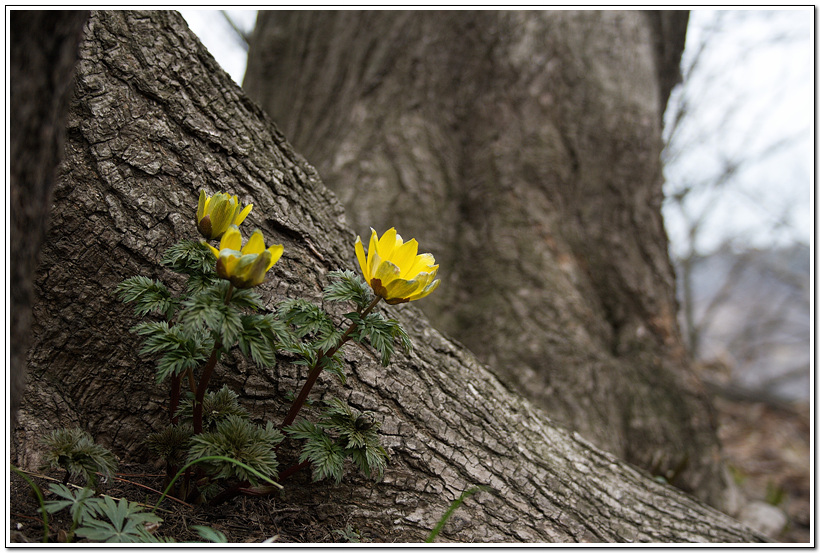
(245, 268)
(393, 269)
(214, 214)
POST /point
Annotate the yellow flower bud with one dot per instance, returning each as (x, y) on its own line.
(245, 267)
(214, 214)
(393, 269)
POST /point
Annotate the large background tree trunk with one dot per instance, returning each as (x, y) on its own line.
(42, 57)
(524, 149)
(154, 120)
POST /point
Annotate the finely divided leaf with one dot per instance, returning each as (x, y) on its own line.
(348, 286)
(148, 296)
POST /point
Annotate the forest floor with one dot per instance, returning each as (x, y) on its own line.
(242, 519)
(766, 448)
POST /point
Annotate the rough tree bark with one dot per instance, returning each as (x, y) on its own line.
(524, 149)
(41, 64)
(154, 120)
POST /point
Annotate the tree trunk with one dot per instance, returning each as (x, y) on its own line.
(42, 57)
(154, 120)
(524, 149)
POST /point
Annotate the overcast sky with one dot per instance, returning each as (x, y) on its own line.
(754, 87)
(751, 102)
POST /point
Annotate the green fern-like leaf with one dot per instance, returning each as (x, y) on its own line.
(306, 317)
(342, 432)
(354, 428)
(74, 450)
(171, 443)
(336, 366)
(381, 333)
(239, 439)
(210, 535)
(199, 282)
(147, 295)
(216, 407)
(261, 336)
(348, 286)
(182, 347)
(371, 459)
(207, 309)
(305, 354)
(190, 257)
(326, 457)
(303, 429)
(246, 297)
(357, 434)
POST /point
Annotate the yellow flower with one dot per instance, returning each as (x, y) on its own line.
(393, 269)
(245, 268)
(216, 213)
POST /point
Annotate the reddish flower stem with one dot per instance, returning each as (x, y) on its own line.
(207, 372)
(292, 470)
(174, 401)
(316, 370)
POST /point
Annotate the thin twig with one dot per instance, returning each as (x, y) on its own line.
(50, 479)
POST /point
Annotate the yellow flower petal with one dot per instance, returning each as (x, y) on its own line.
(405, 255)
(401, 288)
(214, 214)
(226, 263)
(360, 256)
(387, 272)
(200, 207)
(372, 253)
(245, 267)
(373, 262)
(275, 254)
(231, 240)
(256, 243)
(393, 268)
(387, 243)
(425, 292)
(242, 215)
(423, 263)
(255, 275)
(222, 215)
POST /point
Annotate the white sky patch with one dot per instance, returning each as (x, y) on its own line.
(753, 91)
(220, 39)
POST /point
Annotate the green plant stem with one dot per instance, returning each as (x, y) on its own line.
(316, 370)
(40, 500)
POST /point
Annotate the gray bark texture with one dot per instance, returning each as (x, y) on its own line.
(154, 120)
(41, 64)
(523, 148)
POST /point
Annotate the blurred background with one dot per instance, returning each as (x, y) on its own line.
(739, 213)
